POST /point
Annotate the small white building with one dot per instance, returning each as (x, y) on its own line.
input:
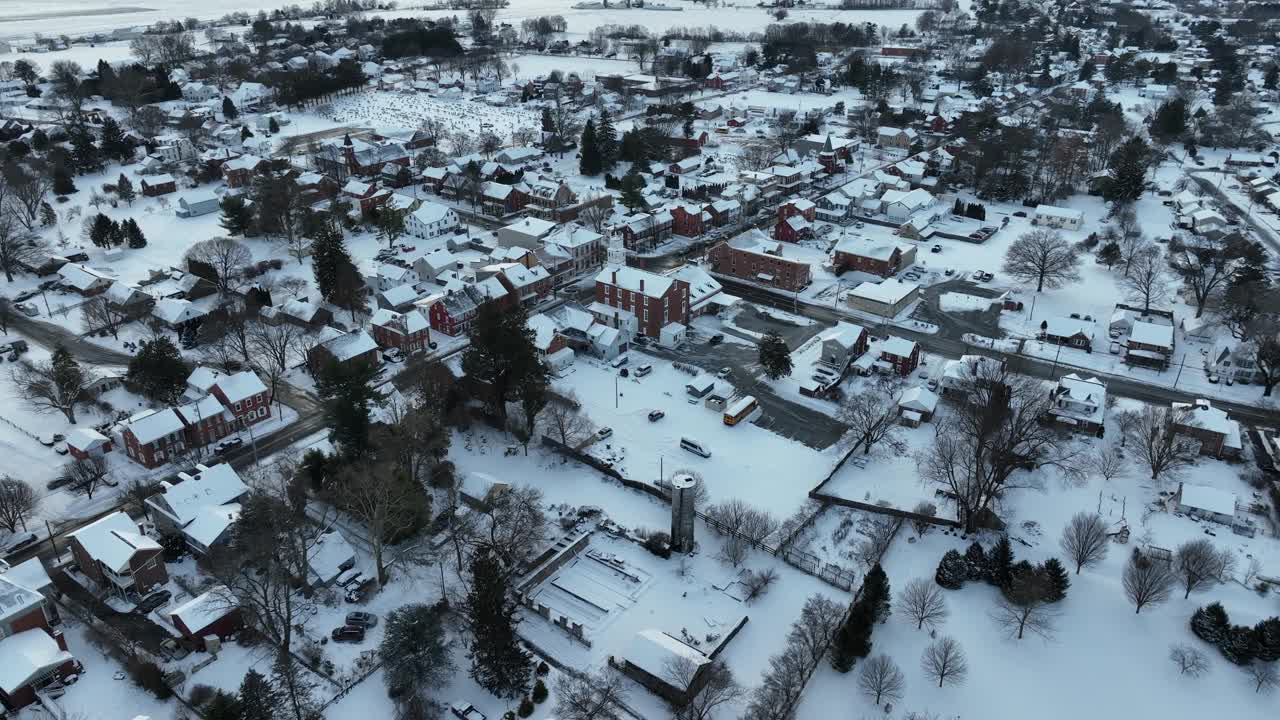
(1205, 502)
(1058, 217)
(432, 220)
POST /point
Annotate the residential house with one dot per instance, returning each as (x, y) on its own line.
(527, 285)
(1218, 435)
(202, 506)
(500, 199)
(901, 354)
(453, 312)
(197, 203)
(152, 438)
(409, 332)
(34, 649)
(893, 137)
(1150, 344)
(1235, 363)
(83, 279)
(431, 220)
(689, 220)
(214, 613)
(656, 301)
(245, 395)
(344, 348)
(899, 206)
(706, 294)
(238, 172)
(1071, 332)
(644, 231)
(340, 159)
(1058, 218)
(1079, 403)
(549, 198)
(157, 185)
(885, 259)
(917, 405)
(528, 233)
(1207, 503)
(584, 247)
(754, 256)
(84, 443)
(961, 377)
(114, 554)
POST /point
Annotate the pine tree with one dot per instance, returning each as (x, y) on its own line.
(853, 639)
(112, 140)
(1211, 623)
(245, 133)
(539, 691)
(40, 140)
(1058, 579)
(84, 153)
(1223, 91)
(952, 571)
(100, 231)
(607, 141)
(590, 163)
(498, 664)
(124, 189)
(1001, 558)
(1266, 639)
(328, 255)
(294, 687)
(633, 190)
(222, 706)
(133, 235)
(1127, 172)
(118, 237)
(775, 356)
(1270, 81)
(548, 123)
(237, 217)
(258, 699)
(876, 595)
(687, 129)
(63, 183)
(48, 218)
(1238, 646)
(415, 652)
(1170, 121)
(158, 371)
(978, 563)
(273, 127)
(1109, 254)
(229, 110)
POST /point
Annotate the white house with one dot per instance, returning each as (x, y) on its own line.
(899, 206)
(431, 220)
(1058, 217)
(1207, 502)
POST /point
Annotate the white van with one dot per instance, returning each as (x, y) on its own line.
(644, 370)
(619, 361)
(695, 447)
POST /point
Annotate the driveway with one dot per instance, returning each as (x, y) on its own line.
(137, 628)
(954, 325)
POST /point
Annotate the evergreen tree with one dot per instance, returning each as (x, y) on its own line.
(100, 231)
(1127, 172)
(539, 693)
(952, 571)
(1058, 580)
(1223, 92)
(853, 639)
(245, 133)
(607, 141)
(633, 189)
(502, 355)
(775, 356)
(1266, 639)
(687, 129)
(48, 218)
(548, 123)
(40, 140)
(258, 699)
(1237, 645)
(295, 689)
(498, 664)
(1211, 623)
(590, 162)
(133, 235)
(875, 593)
(349, 395)
(229, 110)
(157, 371)
(1001, 559)
(1087, 70)
(273, 127)
(84, 153)
(1270, 81)
(416, 653)
(113, 143)
(979, 566)
(1109, 254)
(222, 706)
(237, 216)
(1170, 121)
(124, 189)
(63, 183)
(328, 255)
(117, 234)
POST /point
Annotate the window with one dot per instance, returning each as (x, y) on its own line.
(237, 407)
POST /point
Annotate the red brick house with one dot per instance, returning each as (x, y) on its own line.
(689, 220)
(366, 196)
(157, 185)
(210, 614)
(883, 259)
(410, 332)
(33, 648)
(1219, 436)
(245, 395)
(118, 558)
(1068, 331)
(500, 200)
(154, 437)
(84, 443)
(800, 206)
(793, 229)
(902, 354)
(655, 300)
(238, 172)
(753, 256)
(207, 421)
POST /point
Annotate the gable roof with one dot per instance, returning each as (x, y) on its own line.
(113, 541)
(208, 486)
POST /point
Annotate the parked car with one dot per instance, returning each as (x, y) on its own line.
(656, 415)
(152, 601)
(949, 272)
(1115, 348)
(644, 370)
(466, 711)
(348, 634)
(933, 385)
(17, 542)
(392, 355)
(362, 619)
(988, 277)
(935, 249)
(604, 433)
(228, 445)
(976, 276)
(25, 295)
(27, 309)
(61, 448)
(724, 373)
(716, 339)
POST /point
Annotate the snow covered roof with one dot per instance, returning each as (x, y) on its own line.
(898, 347)
(176, 310)
(1068, 327)
(1209, 499)
(1152, 334)
(534, 227)
(208, 486)
(629, 278)
(544, 330)
(151, 425)
(431, 212)
(1059, 212)
(205, 609)
(211, 522)
(27, 655)
(889, 292)
(918, 398)
(243, 385)
(85, 439)
(80, 277)
(350, 345)
(653, 652)
(203, 378)
(113, 540)
(326, 558)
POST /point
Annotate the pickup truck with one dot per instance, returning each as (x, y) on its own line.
(466, 711)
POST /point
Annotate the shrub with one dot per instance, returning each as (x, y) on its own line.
(544, 669)
(952, 571)
(200, 694)
(540, 688)
(148, 676)
(526, 708)
(659, 544)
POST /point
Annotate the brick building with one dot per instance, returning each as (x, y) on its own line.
(655, 300)
(753, 256)
(118, 558)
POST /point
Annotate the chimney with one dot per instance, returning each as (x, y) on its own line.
(615, 277)
(642, 285)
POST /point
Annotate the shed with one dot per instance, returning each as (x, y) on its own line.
(215, 613)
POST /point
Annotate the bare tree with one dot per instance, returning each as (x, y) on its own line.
(275, 348)
(28, 189)
(718, 687)
(880, 678)
(733, 550)
(924, 509)
(1198, 565)
(922, 600)
(1147, 580)
(982, 443)
(590, 695)
(135, 494)
(99, 314)
(512, 523)
(56, 384)
(755, 156)
(388, 504)
(18, 502)
(1263, 676)
(223, 258)
(1206, 265)
(1085, 540)
(736, 517)
(757, 582)
(1152, 433)
(1108, 463)
(564, 418)
(1044, 257)
(1022, 607)
(872, 417)
(16, 251)
(1146, 280)
(1189, 660)
(880, 532)
(462, 143)
(86, 475)
(944, 660)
